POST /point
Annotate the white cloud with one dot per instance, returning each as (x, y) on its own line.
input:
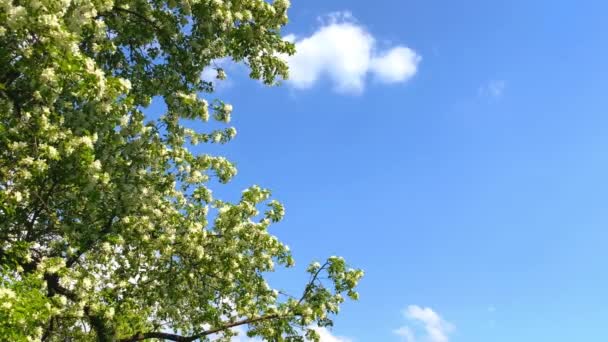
(210, 73)
(396, 65)
(345, 53)
(494, 88)
(435, 328)
(407, 334)
(327, 336)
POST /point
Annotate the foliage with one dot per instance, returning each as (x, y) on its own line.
(104, 231)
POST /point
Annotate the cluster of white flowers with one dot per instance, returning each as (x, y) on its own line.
(86, 141)
(125, 84)
(6, 293)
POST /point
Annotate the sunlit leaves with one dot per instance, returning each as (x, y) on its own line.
(109, 228)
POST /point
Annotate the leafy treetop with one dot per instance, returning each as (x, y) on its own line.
(104, 214)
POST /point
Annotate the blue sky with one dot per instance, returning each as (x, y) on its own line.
(466, 175)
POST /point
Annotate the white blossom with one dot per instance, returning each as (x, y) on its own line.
(86, 141)
(125, 83)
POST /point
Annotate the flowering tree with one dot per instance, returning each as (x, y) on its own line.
(108, 228)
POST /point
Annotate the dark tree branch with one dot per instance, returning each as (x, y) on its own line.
(311, 282)
(179, 338)
(53, 287)
(107, 229)
(49, 330)
(139, 16)
(104, 332)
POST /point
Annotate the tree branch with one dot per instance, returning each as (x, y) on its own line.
(53, 287)
(140, 17)
(107, 229)
(104, 332)
(179, 338)
(312, 281)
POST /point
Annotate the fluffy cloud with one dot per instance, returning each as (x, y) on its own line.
(407, 334)
(326, 336)
(435, 328)
(494, 88)
(210, 73)
(345, 53)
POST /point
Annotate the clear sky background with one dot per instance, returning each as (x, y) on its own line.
(457, 151)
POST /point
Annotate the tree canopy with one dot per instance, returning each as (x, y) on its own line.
(109, 230)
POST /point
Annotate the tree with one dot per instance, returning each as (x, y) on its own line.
(108, 227)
